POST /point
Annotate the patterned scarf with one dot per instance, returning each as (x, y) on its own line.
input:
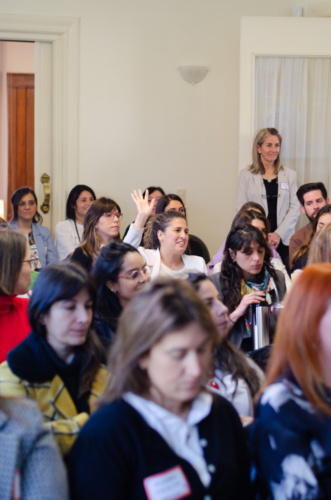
(267, 285)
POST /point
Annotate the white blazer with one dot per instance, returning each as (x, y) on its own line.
(153, 258)
(251, 188)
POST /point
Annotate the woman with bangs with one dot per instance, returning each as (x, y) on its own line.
(102, 224)
(247, 277)
(291, 437)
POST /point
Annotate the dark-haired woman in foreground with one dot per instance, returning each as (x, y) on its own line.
(120, 271)
(27, 220)
(59, 364)
(159, 431)
(69, 233)
(246, 278)
(291, 437)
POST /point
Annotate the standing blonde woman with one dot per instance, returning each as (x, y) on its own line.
(273, 186)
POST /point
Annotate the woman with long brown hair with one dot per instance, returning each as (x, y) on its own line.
(102, 224)
(159, 430)
(292, 433)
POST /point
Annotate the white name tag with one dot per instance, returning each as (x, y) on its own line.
(284, 185)
(168, 485)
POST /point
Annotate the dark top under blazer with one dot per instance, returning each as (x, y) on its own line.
(116, 450)
(80, 257)
(236, 334)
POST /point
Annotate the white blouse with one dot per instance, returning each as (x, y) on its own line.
(180, 435)
(67, 238)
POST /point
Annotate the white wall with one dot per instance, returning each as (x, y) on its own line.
(140, 123)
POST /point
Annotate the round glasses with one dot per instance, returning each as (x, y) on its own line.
(111, 215)
(135, 275)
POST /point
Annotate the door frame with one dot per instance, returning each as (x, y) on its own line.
(276, 37)
(63, 34)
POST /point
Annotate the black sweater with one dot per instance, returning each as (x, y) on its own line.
(116, 450)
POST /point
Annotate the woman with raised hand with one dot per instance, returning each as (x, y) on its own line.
(59, 364)
(27, 221)
(159, 430)
(233, 375)
(166, 240)
(69, 233)
(260, 222)
(102, 224)
(247, 277)
(267, 182)
(291, 436)
(119, 271)
(16, 267)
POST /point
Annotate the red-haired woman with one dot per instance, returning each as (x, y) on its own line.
(291, 436)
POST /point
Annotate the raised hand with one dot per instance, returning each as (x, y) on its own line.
(144, 208)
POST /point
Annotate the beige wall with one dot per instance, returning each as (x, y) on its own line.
(140, 123)
(20, 57)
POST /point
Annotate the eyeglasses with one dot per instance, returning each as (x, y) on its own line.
(32, 261)
(29, 203)
(135, 275)
(111, 215)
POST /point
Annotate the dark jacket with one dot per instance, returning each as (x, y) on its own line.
(291, 443)
(236, 334)
(117, 450)
(80, 257)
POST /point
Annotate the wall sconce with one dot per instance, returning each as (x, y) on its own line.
(2, 209)
(193, 74)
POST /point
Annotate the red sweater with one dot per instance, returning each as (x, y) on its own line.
(14, 323)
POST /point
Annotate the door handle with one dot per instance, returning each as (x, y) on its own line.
(45, 206)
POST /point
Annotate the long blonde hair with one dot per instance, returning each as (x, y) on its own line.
(257, 165)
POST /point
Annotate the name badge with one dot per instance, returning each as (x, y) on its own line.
(168, 485)
(285, 185)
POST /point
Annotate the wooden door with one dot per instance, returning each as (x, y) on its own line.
(20, 132)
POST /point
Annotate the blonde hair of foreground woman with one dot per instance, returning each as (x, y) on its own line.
(320, 250)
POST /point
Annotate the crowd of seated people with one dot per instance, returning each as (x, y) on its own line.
(127, 371)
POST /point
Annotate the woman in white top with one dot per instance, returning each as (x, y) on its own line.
(69, 233)
(165, 242)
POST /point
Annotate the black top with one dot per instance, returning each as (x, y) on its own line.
(80, 257)
(116, 450)
(271, 188)
(291, 442)
(300, 263)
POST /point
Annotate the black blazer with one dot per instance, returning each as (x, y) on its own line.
(116, 450)
(236, 334)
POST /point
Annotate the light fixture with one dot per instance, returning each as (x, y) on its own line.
(193, 74)
(2, 209)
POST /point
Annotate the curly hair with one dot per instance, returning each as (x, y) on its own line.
(240, 239)
(159, 222)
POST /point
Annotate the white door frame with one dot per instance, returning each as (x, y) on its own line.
(278, 37)
(63, 34)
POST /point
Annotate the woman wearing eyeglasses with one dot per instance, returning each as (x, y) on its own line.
(102, 224)
(273, 186)
(120, 271)
(15, 278)
(27, 221)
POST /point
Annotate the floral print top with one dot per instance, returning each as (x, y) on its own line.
(291, 443)
(34, 251)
